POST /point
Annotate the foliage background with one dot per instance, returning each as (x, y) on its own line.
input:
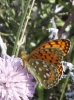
(11, 12)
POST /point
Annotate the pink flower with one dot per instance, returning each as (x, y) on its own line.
(15, 81)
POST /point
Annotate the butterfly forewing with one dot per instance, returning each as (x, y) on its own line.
(60, 70)
(63, 44)
(45, 73)
(52, 55)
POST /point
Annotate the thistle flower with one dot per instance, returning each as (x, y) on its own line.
(15, 81)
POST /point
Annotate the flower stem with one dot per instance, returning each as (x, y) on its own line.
(61, 97)
(40, 91)
(21, 25)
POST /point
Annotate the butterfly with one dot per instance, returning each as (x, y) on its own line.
(44, 62)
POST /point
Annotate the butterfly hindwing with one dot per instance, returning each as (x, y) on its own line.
(45, 73)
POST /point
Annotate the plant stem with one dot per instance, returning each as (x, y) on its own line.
(23, 35)
(61, 97)
(21, 25)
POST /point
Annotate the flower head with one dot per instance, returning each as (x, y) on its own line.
(15, 81)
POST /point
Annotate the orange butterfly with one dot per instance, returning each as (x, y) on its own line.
(44, 62)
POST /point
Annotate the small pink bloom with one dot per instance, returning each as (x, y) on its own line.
(15, 81)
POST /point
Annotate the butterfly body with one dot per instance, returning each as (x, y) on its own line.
(45, 61)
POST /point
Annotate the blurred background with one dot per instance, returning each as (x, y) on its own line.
(11, 12)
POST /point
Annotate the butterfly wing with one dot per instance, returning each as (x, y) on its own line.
(60, 70)
(45, 62)
(63, 44)
(52, 55)
(44, 72)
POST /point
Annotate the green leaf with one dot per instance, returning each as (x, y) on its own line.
(52, 1)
